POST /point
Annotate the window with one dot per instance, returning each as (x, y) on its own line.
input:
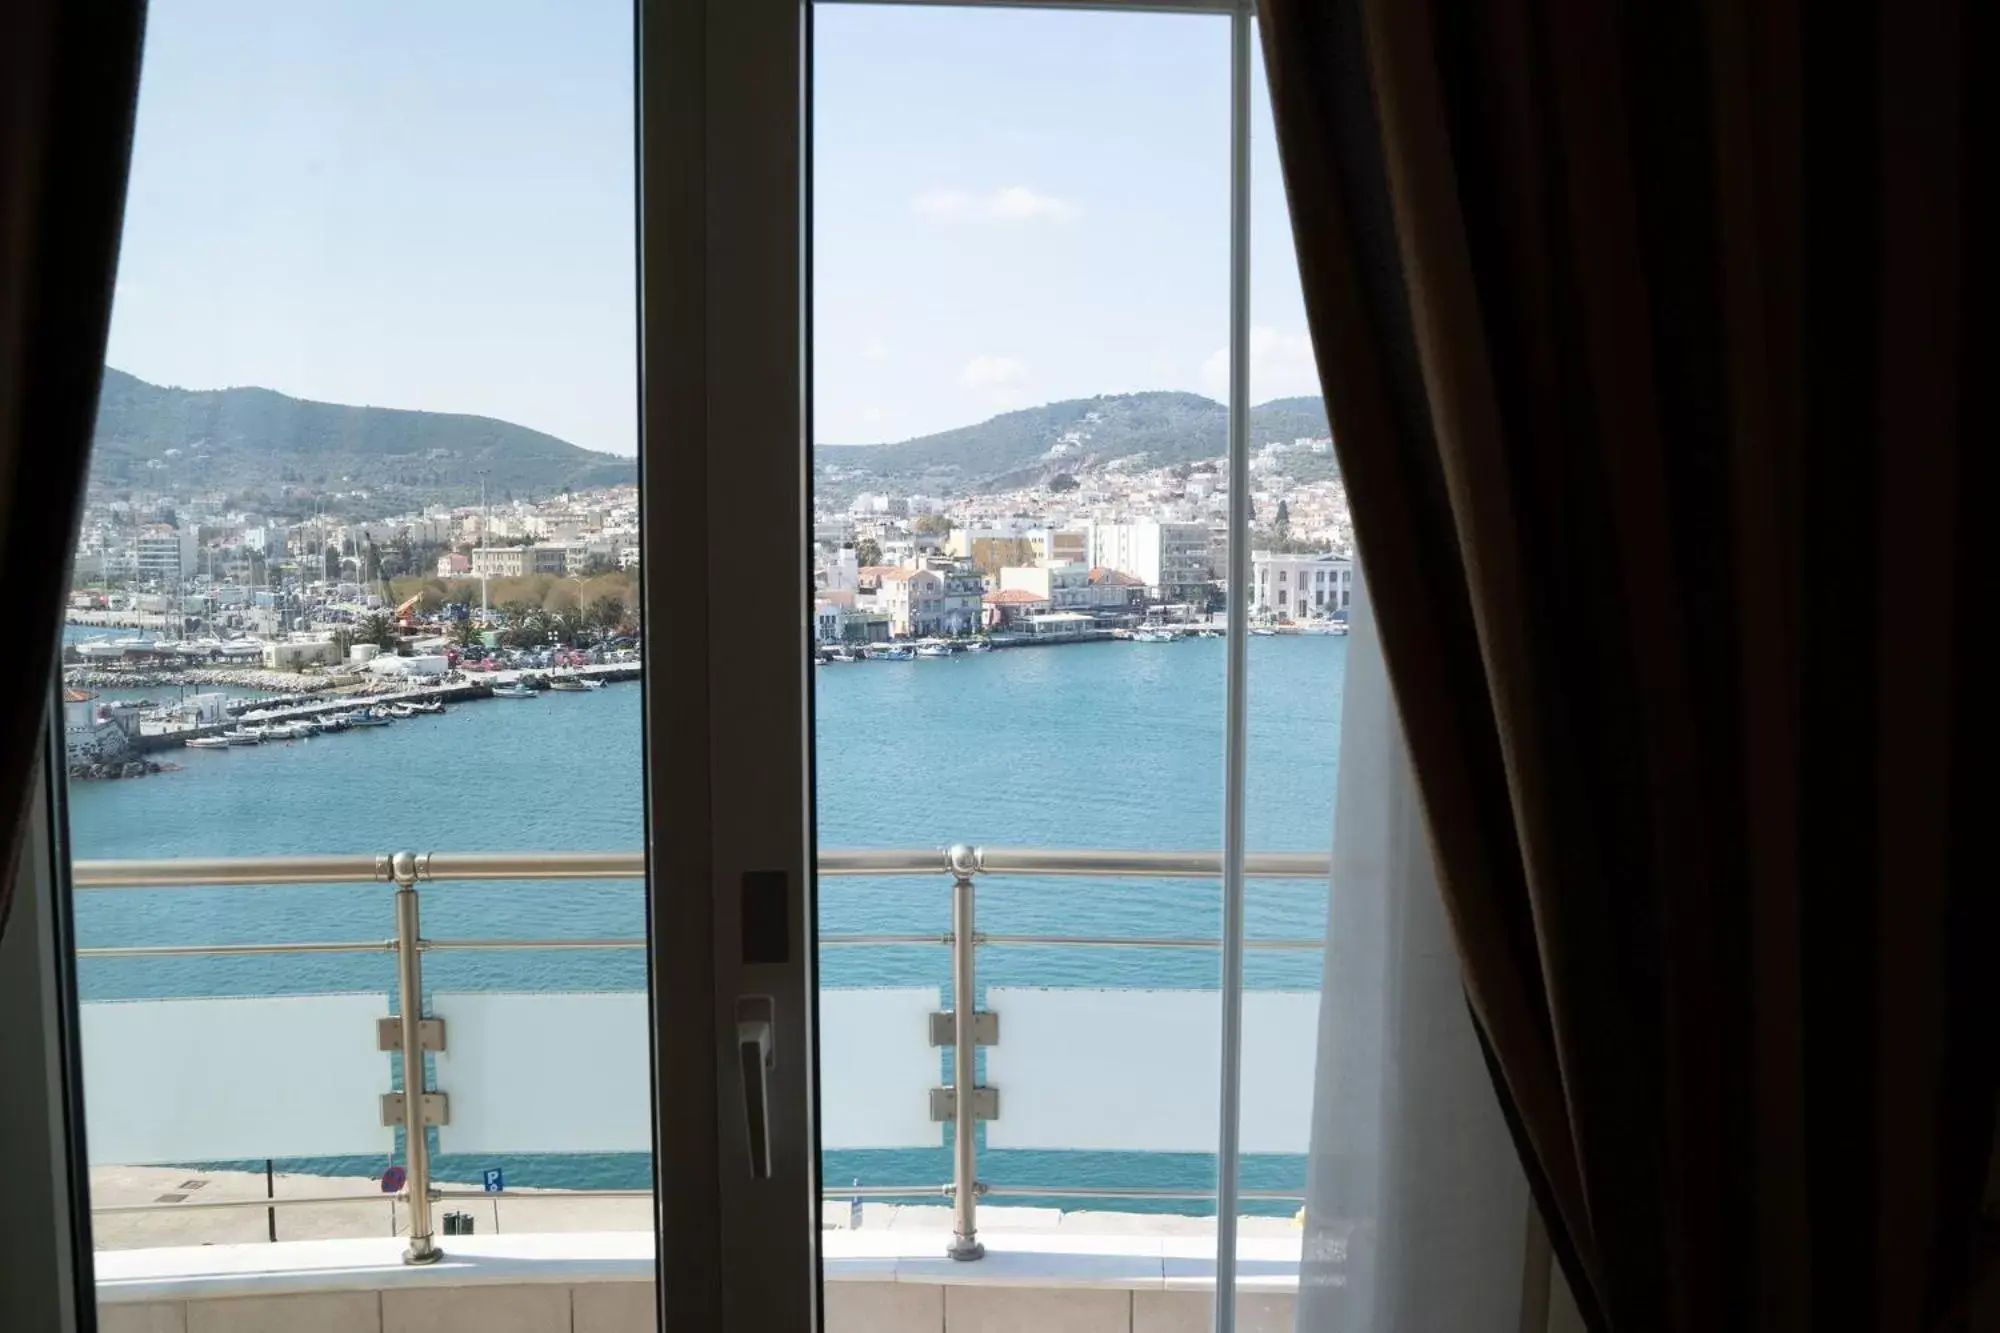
(430, 211)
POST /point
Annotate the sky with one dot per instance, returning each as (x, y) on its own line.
(430, 205)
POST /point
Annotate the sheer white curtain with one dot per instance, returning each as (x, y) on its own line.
(1416, 1207)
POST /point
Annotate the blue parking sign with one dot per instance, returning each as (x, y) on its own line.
(495, 1180)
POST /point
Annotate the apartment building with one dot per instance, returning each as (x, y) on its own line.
(1171, 559)
(164, 555)
(914, 601)
(959, 608)
(1065, 587)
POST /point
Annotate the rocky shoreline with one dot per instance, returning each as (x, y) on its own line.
(245, 678)
(81, 770)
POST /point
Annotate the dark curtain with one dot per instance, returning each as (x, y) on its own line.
(69, 81)
(1643, 334)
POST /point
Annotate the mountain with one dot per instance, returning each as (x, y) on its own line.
(237, 439)
(1018, 448)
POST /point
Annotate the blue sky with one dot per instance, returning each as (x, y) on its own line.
(430, 205)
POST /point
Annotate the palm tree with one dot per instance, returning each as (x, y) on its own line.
(464, 633)
(375, 629)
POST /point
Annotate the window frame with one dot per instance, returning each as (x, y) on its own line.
(711, 77)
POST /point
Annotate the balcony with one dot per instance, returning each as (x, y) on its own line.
(502, 1076)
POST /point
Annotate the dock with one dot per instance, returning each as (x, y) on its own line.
(458, 692)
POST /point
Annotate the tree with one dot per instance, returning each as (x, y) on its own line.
(929, 524)
(464, 633)
(992, 555)
(867, 551)
(1061, 482)
(330, 564)
(606, 613)
(561, 598)
(1282, 524)
(375, 629)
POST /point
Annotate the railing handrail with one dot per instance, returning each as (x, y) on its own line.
(448, 867)
(418, 1106)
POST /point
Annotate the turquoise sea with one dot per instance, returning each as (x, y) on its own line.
(1102, 745)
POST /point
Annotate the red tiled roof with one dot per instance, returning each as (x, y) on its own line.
(1014, 597)
(1117, 578)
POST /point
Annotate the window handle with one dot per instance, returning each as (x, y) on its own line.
(756, 1057)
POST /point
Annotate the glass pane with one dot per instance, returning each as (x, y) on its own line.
(1301, 572)
(358, 577)
(1021, 260)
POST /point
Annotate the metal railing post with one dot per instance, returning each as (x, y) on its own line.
(410, 1004)
(964, 1054)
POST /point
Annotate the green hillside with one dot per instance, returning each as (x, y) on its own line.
(1017, 447)
(182, 439)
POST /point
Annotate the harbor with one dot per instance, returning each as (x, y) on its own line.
(911, 754)
(116, 738)
(253, 721)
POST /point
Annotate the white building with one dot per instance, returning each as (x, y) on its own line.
(1302, 586)
(960, 605)
(913, 599)
(164, 554)
(513, 562)
(1065, 587)
(411, 667)
(1170, 558)
(829, 621)
(293, 654)
(839, 573)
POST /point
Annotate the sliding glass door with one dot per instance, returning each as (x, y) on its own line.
(867, 824)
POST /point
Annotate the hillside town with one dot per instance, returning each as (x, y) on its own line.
(1076, 554)
(1080, 554)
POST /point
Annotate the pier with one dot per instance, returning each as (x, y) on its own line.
(463, 690)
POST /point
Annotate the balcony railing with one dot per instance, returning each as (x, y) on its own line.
(962, 1027)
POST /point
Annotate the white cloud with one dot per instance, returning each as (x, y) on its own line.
(943, 203)
(1010, 203)
(874, 349)
(1281, 366)
(1020, 202)
(999, 379)
(992, 372)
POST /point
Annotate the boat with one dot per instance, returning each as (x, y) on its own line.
(364, 718)
(979, 646)
(934, 650)
(892, 654)
(399, 710)
(1207, 634)
(243, 736)
(207, 742)
(1265, 633)
(574, 684)
(514, 691)
(1151, 636)
(426, 705)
